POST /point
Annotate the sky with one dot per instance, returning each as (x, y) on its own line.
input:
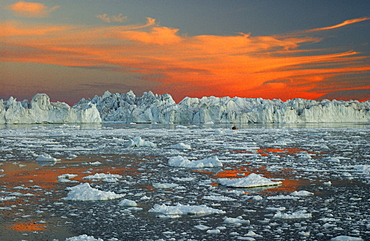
(247, 48)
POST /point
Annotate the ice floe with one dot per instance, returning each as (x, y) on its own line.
(252, 180)
(83, 237)
(180, 161)
(139, 142)
(84, 192)
(180, 209)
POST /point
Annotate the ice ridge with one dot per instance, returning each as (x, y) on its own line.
(153, 108)
(41, 110)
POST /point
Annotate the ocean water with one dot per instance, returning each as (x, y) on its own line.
(324, 170)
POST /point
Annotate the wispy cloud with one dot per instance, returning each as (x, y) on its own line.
(115, 18)
(346, 22)
(238, 65)
(30, 9)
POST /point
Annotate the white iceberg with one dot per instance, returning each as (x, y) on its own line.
(346, 238)
(302, 193)
(180, 146)
(180, 209)
(41, 110)
(84, 192)
(179, 161)
(252, 180)
(83, 237)
(294, 215)
(127, 203)
(153, 108)
(46, 158)
(139, 142)
(104, 177)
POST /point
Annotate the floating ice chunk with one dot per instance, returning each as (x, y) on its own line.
(346, 238)
(302, 193)
(46, 158)
(295, 215)
(165, 185)
(202, 227)
(83, 237)
(252, 180)
(127, 203)
(236, 221)
(183, 179)
(180, 146)
(6, 198)
(104, 177)
(180, 209)
(84, 192)
(139, 142)
(219, 198)
(66, 177)
(179, 161)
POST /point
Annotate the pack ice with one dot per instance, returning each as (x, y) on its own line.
(41, 110)
(153, 108)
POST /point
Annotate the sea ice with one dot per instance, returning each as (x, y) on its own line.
(83, 237)
(295, 215)
(179, 161)
(84, 192)
(139, 142)
(346, 238)
(252, 180)
(127, 203)
(302, 193)
(180, 146)
(180, 209)
(46, 158)
(104, 177)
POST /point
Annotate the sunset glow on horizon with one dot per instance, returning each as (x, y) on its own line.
(70, 56)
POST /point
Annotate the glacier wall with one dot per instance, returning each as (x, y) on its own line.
(41, 110)
(151, 108)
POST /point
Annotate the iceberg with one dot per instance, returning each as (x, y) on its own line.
(41, 110)
(179, 161)
(180, 209)
(153, 108)
(84, 192)
(252, 180)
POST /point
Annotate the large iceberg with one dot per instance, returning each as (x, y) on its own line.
(41, 110)
(153, 108)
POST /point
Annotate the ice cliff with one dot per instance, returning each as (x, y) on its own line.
(152, 108)
(41, 110)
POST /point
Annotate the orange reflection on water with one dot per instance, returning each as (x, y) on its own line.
(30, 226)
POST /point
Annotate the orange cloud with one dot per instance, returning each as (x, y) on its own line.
(240, 65)
(347, 22)
(30, 10)
(105, 18)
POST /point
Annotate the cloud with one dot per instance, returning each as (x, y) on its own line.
(236, 65)
(346, 22)
(118, 18)
(30, 10)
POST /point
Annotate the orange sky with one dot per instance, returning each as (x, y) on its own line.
(149, 56)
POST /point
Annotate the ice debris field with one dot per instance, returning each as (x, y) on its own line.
(184, 182)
